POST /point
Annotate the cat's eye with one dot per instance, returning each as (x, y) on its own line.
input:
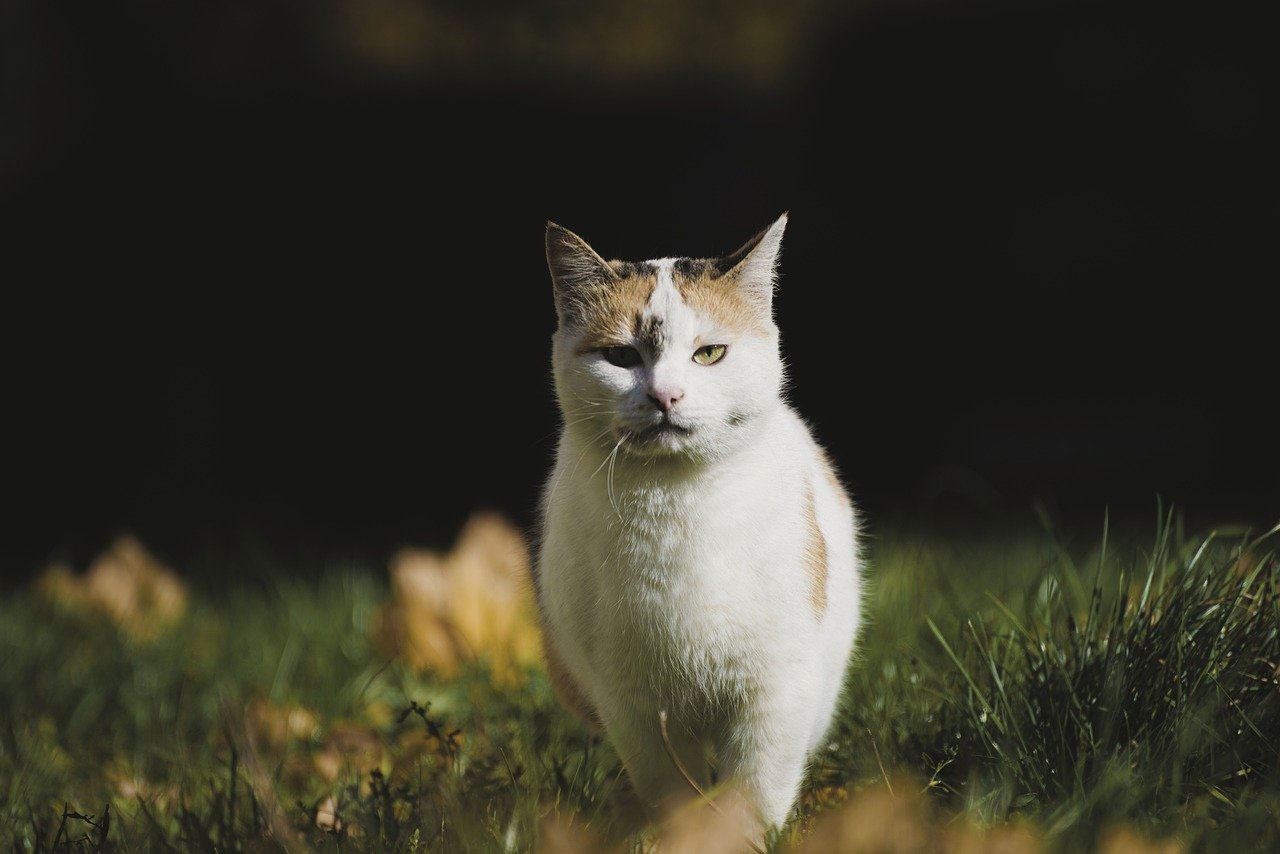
(623, 357)
(709, 354)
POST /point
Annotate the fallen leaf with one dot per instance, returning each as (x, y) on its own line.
(473, 603)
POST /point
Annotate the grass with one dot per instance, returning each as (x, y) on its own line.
(1067, 694)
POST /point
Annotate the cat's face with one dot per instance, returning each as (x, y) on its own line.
(674, 357)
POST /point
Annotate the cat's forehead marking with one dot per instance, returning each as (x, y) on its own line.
(666, 296)
(662, 314)
(712, 292)
(694, 268)
(666, 316)
(652, 301)
(651, 333)
(628, 269)
(688, 288)
(611, 313)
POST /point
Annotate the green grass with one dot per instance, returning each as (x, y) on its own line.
(1066, 690)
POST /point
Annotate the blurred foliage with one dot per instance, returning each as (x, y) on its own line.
(1016, 696)
(126, 585)
(473, 601)
(749, 41)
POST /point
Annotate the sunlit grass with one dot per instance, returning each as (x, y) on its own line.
(1017, 692)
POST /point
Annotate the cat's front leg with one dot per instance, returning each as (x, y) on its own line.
(634, 725)
(766, 754)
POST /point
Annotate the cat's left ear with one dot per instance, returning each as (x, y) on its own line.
(754, 266)
(577, 272)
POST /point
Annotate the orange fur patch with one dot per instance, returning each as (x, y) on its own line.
(724, 299)
(833, 478)
(610, 312)
(815, 556)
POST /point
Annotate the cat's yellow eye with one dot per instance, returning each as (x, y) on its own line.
(709, 354)
(623, 357)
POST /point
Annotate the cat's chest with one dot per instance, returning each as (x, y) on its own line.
(685, 588)
(685, 638)
(664, 543)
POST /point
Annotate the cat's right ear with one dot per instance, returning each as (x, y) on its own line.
(575, 268)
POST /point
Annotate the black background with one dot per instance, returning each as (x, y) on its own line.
(267, 309)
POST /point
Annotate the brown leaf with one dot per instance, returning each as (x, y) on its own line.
(142, 596)
(472, 603)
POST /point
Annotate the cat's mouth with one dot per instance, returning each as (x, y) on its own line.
(663, 430)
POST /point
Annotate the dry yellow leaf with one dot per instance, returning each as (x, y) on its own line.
(473, 602)
(142, 596)
(274, 725)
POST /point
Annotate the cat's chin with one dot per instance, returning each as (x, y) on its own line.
(665, 439)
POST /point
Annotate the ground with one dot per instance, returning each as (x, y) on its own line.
(1022, 694)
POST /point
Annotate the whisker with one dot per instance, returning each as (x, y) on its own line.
(609, 457)
(613, 459)
(555, 484)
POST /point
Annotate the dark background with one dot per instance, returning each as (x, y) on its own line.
(275, 290)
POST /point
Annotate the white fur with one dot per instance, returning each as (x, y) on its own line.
(672, 574)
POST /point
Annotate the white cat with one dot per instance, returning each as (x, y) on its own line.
(699, 556)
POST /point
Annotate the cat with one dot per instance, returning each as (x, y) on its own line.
(698, 574)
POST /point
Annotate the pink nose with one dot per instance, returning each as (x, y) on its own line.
(665, 398)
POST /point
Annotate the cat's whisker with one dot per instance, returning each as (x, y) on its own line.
(588, 400)
(613, 459)
(560, 474)
(576, 422)
(607, 458)
(593, 416)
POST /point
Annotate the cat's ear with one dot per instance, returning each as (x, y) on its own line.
(754, 266)
(575, 268)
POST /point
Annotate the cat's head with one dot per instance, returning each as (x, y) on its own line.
(675, 357)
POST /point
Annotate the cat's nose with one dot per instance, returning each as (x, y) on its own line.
(665, 397)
